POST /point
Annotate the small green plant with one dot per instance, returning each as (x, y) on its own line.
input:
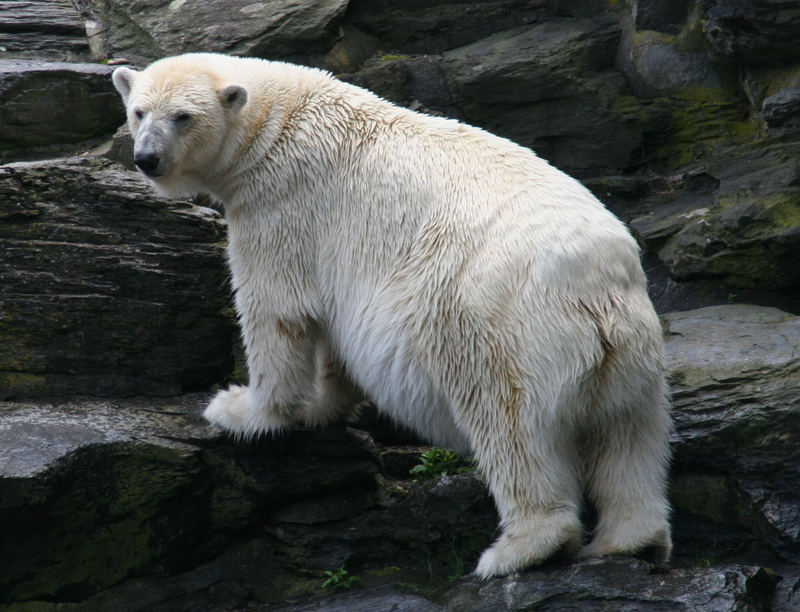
(439, 461)
(338, 579)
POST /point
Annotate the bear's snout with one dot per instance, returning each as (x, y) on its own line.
(147, 162)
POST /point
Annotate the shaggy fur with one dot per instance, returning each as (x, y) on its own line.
(471, 290)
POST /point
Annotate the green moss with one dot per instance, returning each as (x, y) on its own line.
(782, 209)
(126, 508)
(391, 57)
(386, 571)
(701, 127)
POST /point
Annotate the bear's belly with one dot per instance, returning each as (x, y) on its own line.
(379, 359)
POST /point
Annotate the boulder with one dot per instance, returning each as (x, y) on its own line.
(552, 87)
(106, 288)
(734, 375)
(55, 107)
(656, 66)
(432, 26)
(620, 584)
(744, 232)
(44, 29)
(754, 31)
(417, 82)
(144, 30)
(781, 110)
(98, 491)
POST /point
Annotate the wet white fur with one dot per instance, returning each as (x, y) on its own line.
(474, 292)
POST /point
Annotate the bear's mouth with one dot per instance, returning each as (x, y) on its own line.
(157, 174)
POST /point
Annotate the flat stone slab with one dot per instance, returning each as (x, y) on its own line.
(34, 437)
(48, 107)
(107, 289)
(44, 29)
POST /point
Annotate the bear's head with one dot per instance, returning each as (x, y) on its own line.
(180, 113)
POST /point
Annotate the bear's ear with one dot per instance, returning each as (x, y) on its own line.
(233, 97)
(123, 79)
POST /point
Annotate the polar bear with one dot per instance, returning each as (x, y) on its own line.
(471, 290)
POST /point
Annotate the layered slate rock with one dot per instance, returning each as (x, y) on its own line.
(138, 503)
(551, 86)
(55, 107)
(735, 376)
(144, 31)
(50, 29)
(106, 288)
(620, 584)
(97, 491)
(754, 31)
(741, 225)
(432, 26)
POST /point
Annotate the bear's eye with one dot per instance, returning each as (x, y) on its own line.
(182, 118)
(138, 113)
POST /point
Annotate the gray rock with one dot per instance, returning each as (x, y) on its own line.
(745, 233)
(408, 80)
(384, 598)
(144, 31)
(619, 584)
(551, 87)
(655, 66)
(754, 31)
(531, 63)
(660, 15)
(100, 490)
(614, 584)
(42, 29)
(735, 375)
(106, 288)
(782, 110)
(52, 107)
(432, 26)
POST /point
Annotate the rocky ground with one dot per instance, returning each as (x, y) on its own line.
(115, 318)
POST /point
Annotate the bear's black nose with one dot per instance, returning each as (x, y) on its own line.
(146, 162)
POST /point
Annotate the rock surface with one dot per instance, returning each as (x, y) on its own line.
(101, 490)
(207, 523)
(542, 85)
(754, 31)
(44, 29)
(680, 115)
(735, 376)
(105, 288)
(143, 31)
(52, 107)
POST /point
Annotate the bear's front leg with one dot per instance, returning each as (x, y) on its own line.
(281, 364)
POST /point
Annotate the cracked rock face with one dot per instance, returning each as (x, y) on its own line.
(735, 375)
(48, 108)
(680, 115)
(200, 517)
(105, 288)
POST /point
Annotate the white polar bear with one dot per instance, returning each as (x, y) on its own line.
(474, 292)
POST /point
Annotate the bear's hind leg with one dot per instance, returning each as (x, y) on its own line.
(627, 454)
(534, 478)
